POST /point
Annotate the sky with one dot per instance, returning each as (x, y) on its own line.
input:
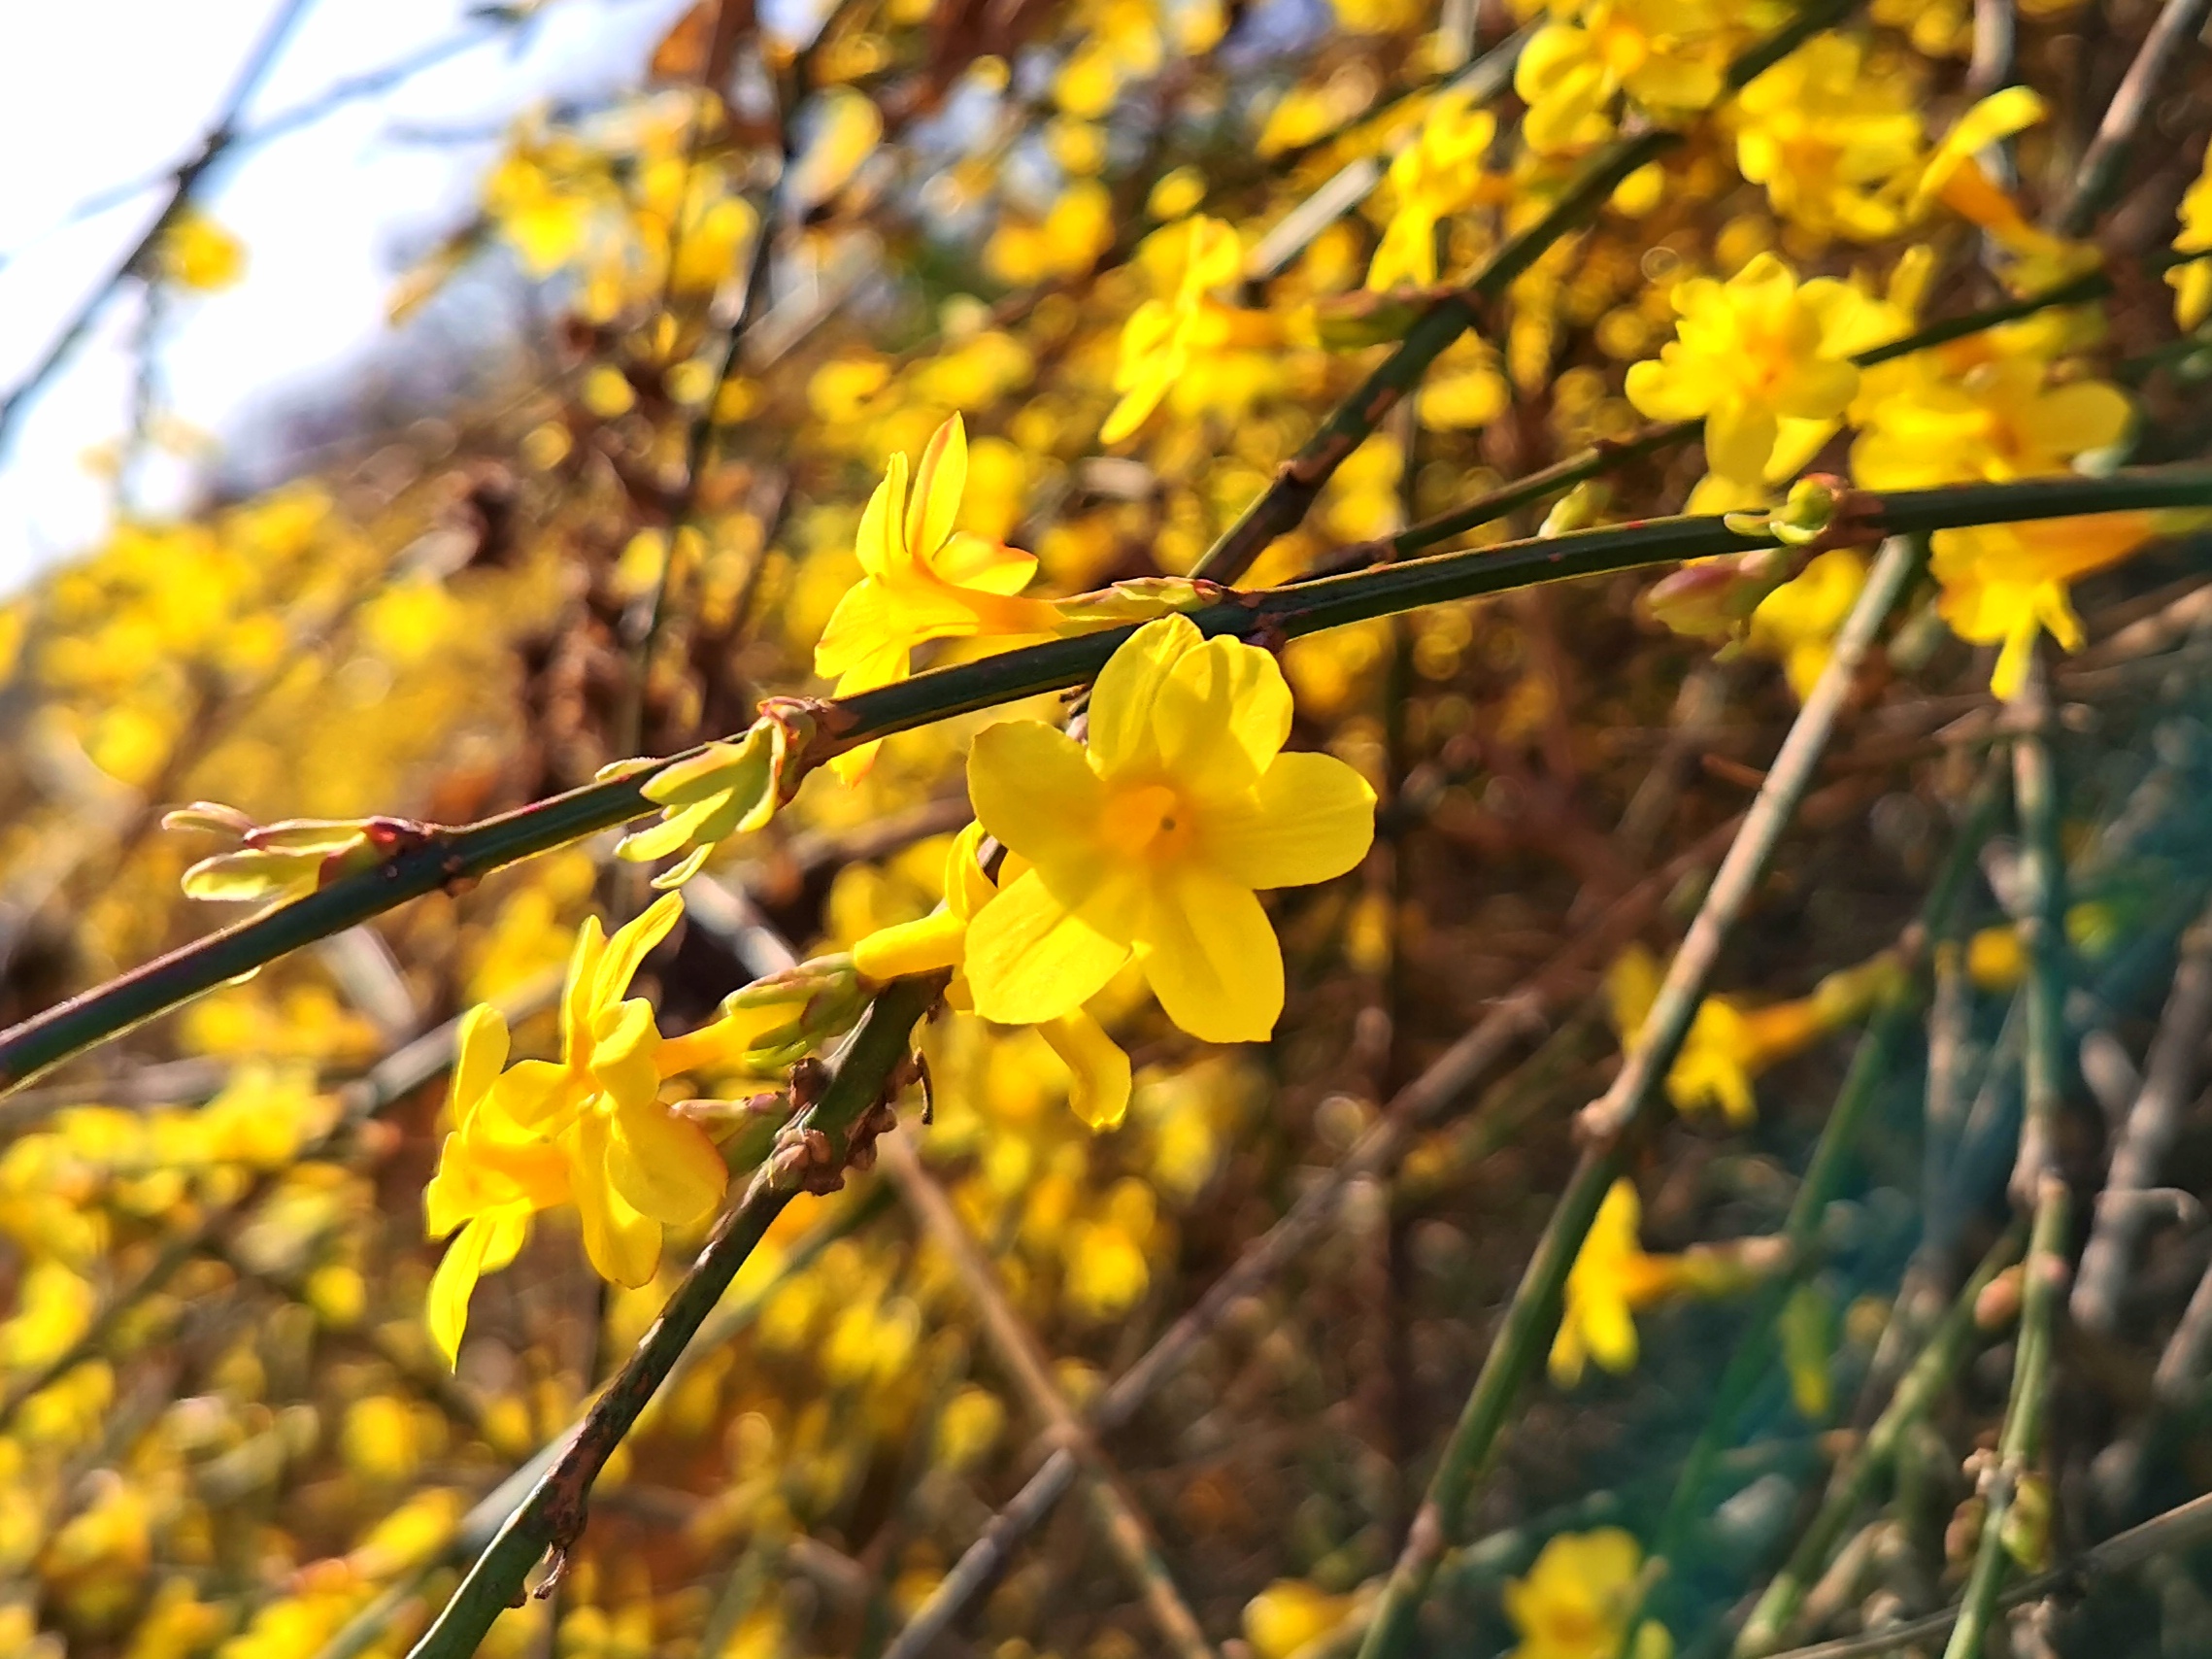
(98, 93)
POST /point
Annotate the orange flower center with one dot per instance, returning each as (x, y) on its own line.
(1150, 822)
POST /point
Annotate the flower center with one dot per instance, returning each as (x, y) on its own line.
(1147, 822)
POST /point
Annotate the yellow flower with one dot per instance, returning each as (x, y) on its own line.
(1748, 353)
(1954, 177)
(283, 860)
(589, 1128)
(491, 1178)
(923, 580)
(1610, 1281)
(1439, 174)
(1728, 1044)
(1670, 55)
(2006, 584)
(1797, 624)
(1290, 1616)
(197, 253)
(2193, 282)
(1999, 421)
(1830, 139)
(1578, 1599)
(1098, 1071)
(1151, 842)
(1197, 352)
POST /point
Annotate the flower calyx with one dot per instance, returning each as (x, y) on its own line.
(292, 858)
(731, 787)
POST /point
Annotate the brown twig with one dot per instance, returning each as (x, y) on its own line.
(1128, 1533)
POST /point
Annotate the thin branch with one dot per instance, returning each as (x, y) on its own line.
(1869, 1070)
(1855, 1475)
(449, 858)
(1534, 1308)
(218, 139)
(1128, 1533)
(2098, 174)
(2150, 1127)
(2036, 1178)
(552, 1515)
(2161, 1536)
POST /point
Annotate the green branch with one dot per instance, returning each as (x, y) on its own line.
(453, 859)
(2036, 1181)
(552, 1515)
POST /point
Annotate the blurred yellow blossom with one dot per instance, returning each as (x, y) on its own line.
(1748, 353)
(2191, 280)
(1578, 1598)
(197, 253)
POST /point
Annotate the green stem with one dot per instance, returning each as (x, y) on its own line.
(1533, 1312)
(2036, 1178)
(452, 858)
(552, 1515)
(2021, 1437)
(1853, 1483)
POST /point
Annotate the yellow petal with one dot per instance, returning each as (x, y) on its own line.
(1098, 1071)
(924, 946)
(1308, 819)
(1035, 955)
(664, 1166)
(1222, 713)
(625, 1051)
(623, 1245)
(880, 544)
(1032, 787)
(937, 487)
(576, 1003)
(1211, 957)
(1121, 737)
(631, 944)
(486, 1244)
(988, 567)
(479, 1054)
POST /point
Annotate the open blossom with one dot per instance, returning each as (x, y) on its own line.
(2006, 585)
(1150, 842)
(1439, 174)
(1830, 138)
(1098, 1071)
(1728, 1043)
(1998, 421)
(1611, 1280)
(1197, 350)
(1797, 624)
(1748, 353)
(589, 1129)
(1670, 55)
(922, 580)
